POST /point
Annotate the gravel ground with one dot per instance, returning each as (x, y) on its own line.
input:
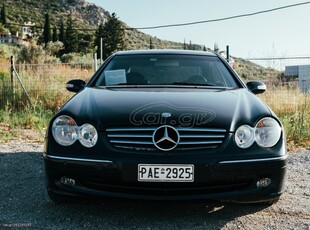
(24, 203)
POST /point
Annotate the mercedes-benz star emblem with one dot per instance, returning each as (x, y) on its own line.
(166, 138)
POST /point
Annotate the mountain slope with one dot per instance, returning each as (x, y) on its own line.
(87, 16)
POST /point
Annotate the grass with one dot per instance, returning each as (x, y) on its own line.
(29, 124)
(293, 109)
(46, 87)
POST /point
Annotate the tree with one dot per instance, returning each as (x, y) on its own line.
(151, 44)
(184, 45)
(32, 53)
(61, 31)
(190, 45)
(2, 29)
(86, 41)
(216, 48)
(55, 48)
(204, 48)
(71, 42)
(113, 36)
(3, 15)
(55, 34)
(47, 30)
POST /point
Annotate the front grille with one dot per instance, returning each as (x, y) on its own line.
(141, 138)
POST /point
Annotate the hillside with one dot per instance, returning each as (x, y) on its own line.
(87, 16)
(250, 71)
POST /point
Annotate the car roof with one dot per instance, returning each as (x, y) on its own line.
(173, 52)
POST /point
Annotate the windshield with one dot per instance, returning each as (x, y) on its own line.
(166, 70)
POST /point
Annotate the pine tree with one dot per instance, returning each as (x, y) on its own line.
(3, 15)
(113, 36)
(55, 34)
(71, 42)
(61, 31)
(47, 30)
(184, 45)
(151, 44)
(216, 48)
(190, 45)
(86, 41)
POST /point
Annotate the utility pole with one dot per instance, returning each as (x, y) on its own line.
(227, 53)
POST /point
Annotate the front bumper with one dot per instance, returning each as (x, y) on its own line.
(234, 180)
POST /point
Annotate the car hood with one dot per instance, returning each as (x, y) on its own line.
(182, 107)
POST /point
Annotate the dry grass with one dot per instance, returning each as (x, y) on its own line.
(293, 109)
(46, 87)
(44, 83)
(283, 100)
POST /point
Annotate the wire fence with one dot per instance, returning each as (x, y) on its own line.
(45, 83)
(279, 63)
(23, 85)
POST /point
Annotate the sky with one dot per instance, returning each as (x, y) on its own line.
(280, 33)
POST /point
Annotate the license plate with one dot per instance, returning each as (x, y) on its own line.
(165, 173)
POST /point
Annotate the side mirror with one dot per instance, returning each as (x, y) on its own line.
(256, 87)
(75, 85)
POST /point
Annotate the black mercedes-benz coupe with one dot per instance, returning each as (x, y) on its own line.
(166, 125)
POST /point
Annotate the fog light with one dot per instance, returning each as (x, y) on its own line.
(263, 183)
(67, 181)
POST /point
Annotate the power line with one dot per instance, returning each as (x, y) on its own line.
(190, 23)
(276, 58)
(223, 19)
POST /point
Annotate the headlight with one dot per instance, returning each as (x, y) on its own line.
(88, 135)
(65, 130)
(267, 132)
(244, 136)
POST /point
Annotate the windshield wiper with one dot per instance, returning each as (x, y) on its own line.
(190, 83)
(123, 84)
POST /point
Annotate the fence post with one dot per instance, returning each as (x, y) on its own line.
(95, 62)
(13, 71)
(12, 82)
(101, 51)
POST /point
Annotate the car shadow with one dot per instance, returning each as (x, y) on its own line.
(26, 201)
(156, 215)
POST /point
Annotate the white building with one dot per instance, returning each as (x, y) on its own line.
(27, 30)
(303, 74)
(7, 38)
